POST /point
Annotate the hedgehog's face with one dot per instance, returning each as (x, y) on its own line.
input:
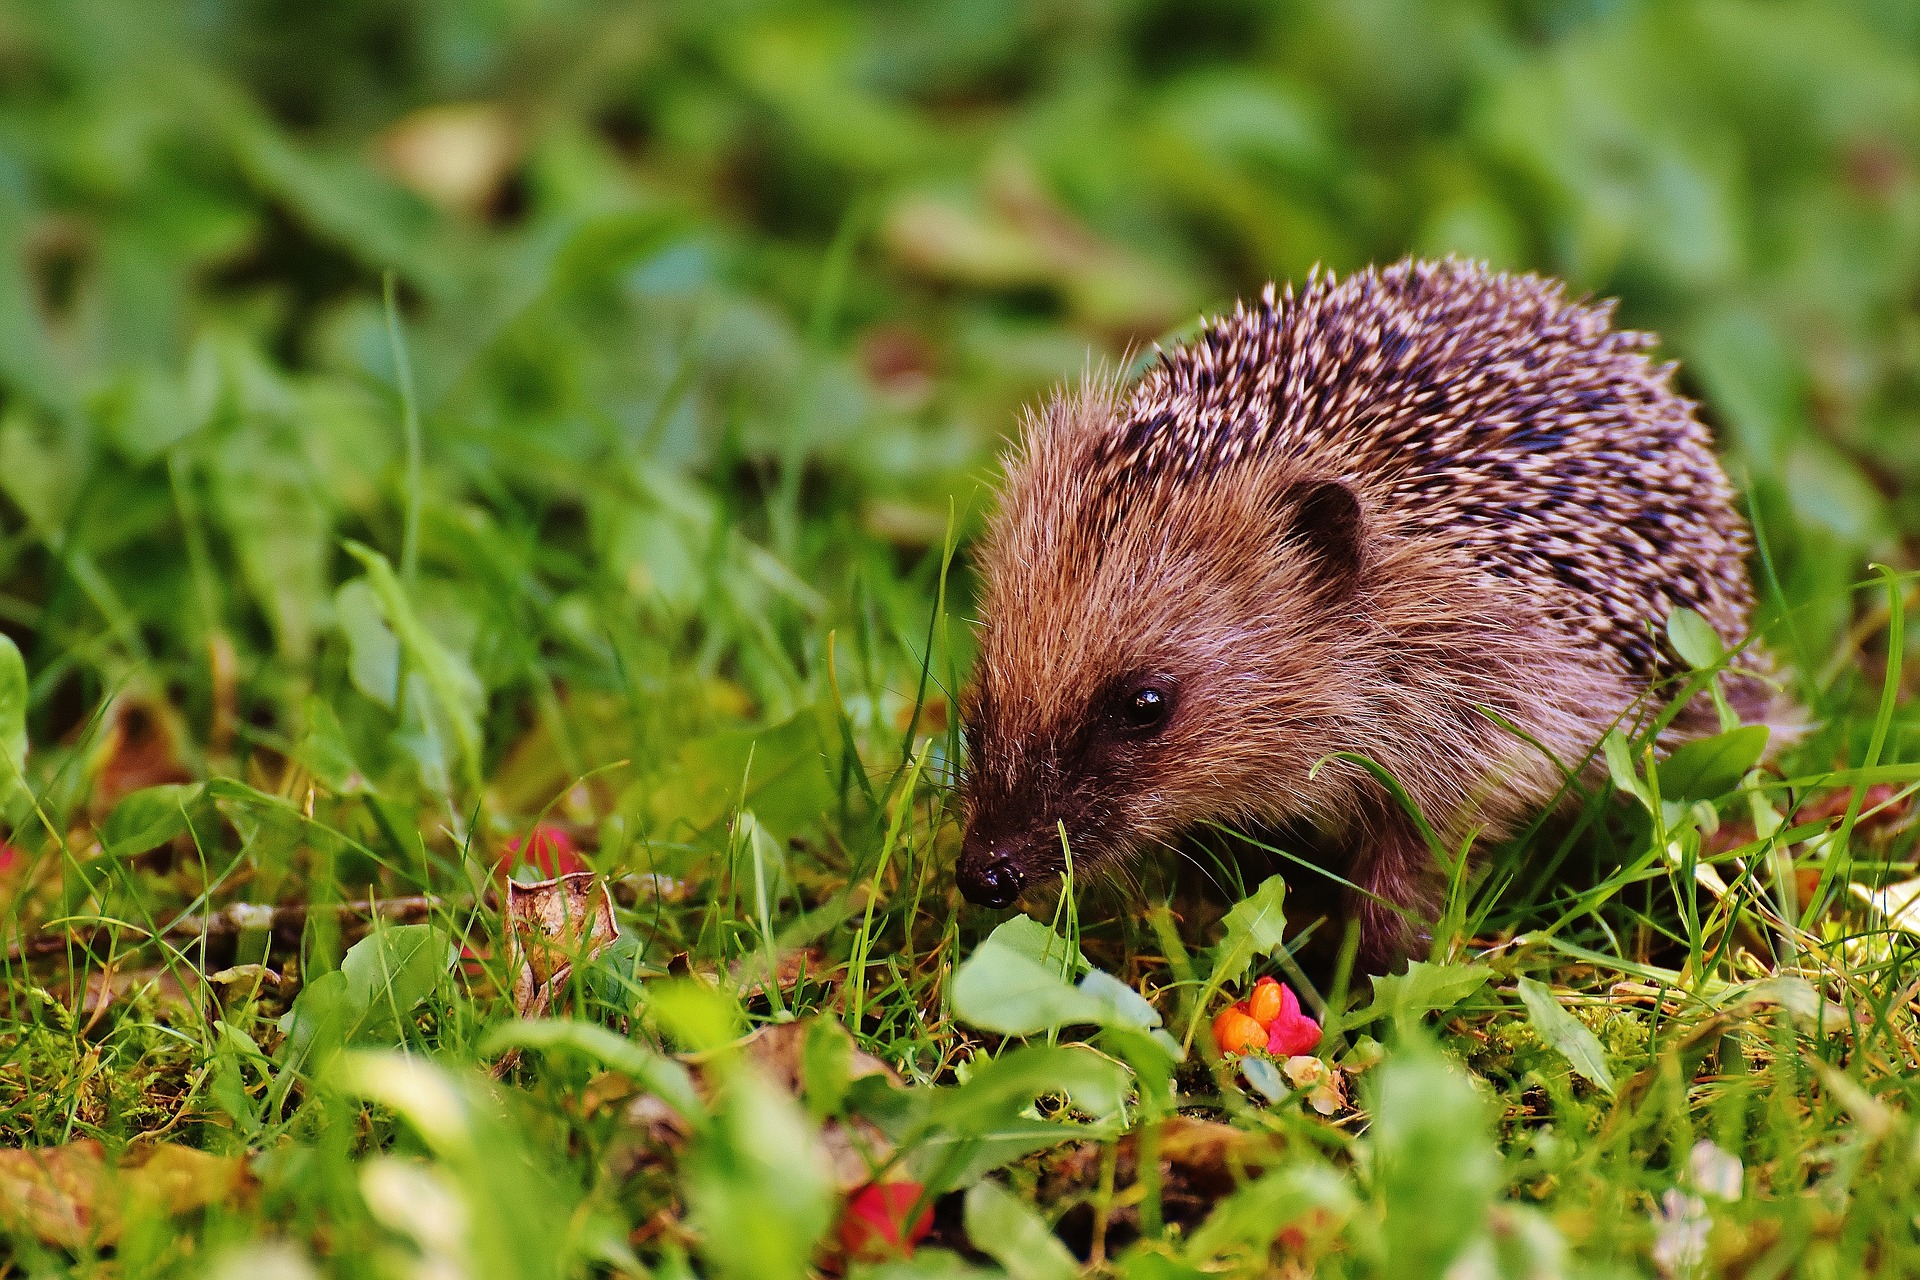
(1140, 676)
(1088, 785)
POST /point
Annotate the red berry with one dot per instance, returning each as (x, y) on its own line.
(874, 1223)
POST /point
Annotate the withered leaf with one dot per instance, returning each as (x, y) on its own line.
(1323, 1085)
(72, 1197)
(552, 925)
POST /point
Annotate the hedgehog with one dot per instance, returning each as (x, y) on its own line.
(1431, 516)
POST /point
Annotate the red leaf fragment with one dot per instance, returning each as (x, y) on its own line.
(874, 1223)
(548, 849)
(1292, 1032)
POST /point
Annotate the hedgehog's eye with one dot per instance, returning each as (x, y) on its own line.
(1145, 708)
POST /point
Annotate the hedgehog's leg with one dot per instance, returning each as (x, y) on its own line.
(1398, 891)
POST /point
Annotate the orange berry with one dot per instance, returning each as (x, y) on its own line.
(1264, 1004)
(1235, 1032)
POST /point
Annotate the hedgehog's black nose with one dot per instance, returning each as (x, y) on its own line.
(990, 880)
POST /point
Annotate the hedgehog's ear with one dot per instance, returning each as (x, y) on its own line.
(1323, 519)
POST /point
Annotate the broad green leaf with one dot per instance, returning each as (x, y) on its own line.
(1012, 1233)
(1695, 640)
(1004, 991)
(1745, 360)
(41, 471)
(1435, 1168)
(784, 773)
(698, 1017)
(1153, 1055)
(950, 1162)
(234, 1051)
(1424, 988)
(952, 1137)
(373, 651)
(1006, 986)
(456, 694)
(321, 1020)
(281, 530)
(1255, 927)
(236, 795)
(324, 749)
(427, 1095)
(148, 818)
(1711, 767)
(757, 1184)
(1024, 934)
(1520, 1241)
(1567, 1034)
(393, 970)
(1619, 757)
(1001, 1089)
(14, 792)
(1124, 1006)
(1264, 1077)
(345, 202)
(509, 1208)
(148, 413)
(384, 977)
(826, 1067)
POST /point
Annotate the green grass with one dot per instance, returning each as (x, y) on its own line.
(356, 517)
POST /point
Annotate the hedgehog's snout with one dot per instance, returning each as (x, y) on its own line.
(989, 875)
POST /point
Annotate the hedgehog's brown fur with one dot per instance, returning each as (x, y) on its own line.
(1354, 520)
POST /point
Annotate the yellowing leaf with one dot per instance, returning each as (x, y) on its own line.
(70, 1196)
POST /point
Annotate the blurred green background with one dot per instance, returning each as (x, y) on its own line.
(718, 313)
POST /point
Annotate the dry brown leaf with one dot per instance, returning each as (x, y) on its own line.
(139, 748)
(1325, 1089)
(855, 1147)
(749, 976)
(54, 1193)
(70, 1196)
(779, 1049)
(551, 925)
(1882, 810)
(1201, 1161)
